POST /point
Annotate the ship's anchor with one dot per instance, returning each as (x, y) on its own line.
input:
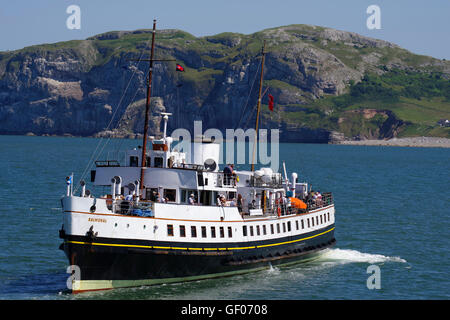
(93, 207)
(90, 234)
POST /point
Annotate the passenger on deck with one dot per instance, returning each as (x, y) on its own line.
(228, 174)
(191, 199)
(310, 199)
(283, 202)
(221, 200)
(252, 205)
(319, 201)
(240, 202)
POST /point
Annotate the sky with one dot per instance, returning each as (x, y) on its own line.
(422, 27)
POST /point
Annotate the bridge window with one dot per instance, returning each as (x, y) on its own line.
(159, 162)
(193, 232)
(151, 194)
(251, 231)
(213, 232)
(244, 231)
(230, 232)
(289, 225)
(222, 232)
(257, 231)
(134, 161)
(170, 194)
(264, 229)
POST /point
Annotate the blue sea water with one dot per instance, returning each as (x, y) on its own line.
(392, 211)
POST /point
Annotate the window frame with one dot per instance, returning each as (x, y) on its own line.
(170, 230)
(182, 230)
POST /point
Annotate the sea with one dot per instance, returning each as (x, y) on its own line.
(392, 225)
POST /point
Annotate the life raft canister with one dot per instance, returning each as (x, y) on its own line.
(279, 211)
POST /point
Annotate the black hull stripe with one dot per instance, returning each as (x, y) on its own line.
(192, 246)
(97, 283)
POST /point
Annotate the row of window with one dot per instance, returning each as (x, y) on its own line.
(251, 230)
(182, 230)
(157, 163)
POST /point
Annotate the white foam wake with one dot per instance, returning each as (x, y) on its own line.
(350, 256)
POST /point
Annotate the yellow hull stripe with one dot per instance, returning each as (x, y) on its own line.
(198, 249)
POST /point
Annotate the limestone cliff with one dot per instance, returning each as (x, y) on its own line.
(93, 87)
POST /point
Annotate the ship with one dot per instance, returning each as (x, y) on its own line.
(164, 219)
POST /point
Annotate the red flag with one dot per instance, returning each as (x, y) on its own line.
(270, 102)
(179, 68)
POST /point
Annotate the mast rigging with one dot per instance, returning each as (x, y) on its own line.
(263, 52)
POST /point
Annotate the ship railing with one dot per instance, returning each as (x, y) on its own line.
(278, 210)
(275, 182)
(107, 163)
(288, 209)
(325, 200)
(132, 208)
(189, 166)
(114, 159)
(226, 180)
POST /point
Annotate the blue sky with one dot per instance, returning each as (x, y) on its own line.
(422, 27)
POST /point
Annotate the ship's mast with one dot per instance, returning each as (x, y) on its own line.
(263, 53)
(147, 108)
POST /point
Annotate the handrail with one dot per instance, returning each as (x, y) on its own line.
(107, 163)
(326, 200)
(226, 179)
(276, 181)
(283, 209)
(146, 208)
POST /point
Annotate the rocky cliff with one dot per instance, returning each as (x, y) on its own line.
(94, 87)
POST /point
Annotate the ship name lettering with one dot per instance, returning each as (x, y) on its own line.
(97, 220)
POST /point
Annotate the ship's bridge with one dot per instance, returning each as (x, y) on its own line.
(168, 173)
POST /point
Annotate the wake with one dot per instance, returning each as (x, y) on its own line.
(343, 256)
